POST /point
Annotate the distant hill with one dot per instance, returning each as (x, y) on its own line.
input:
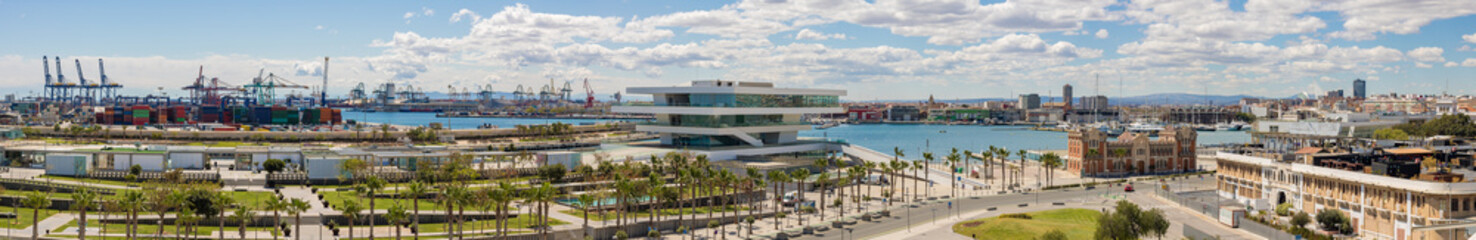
(1150, 99)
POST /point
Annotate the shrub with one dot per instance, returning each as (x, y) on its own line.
(653, 234)
(808, 209)
(1283, 209)
(1301, 220)
(1015, 216)
(1331, 219)
(621, 235)
(274, 165)
(1053, 235)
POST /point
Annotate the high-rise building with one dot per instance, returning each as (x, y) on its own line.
(1335, 93)
(718, 113)
(1066, 96)
(1359, 90)
(1097, 102)
(1028, 101)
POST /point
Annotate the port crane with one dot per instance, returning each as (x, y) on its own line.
(109, 88)
(564, 93)
(265, 88)
(46, 67)
(486, 94)
(84, 90)
(357, 94)
(518, 94)
(589, 98)
(211, 91)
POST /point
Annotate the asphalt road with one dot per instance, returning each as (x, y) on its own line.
(926, 213)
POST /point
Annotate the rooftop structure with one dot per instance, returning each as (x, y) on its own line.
(716, 113)
(1092, 153)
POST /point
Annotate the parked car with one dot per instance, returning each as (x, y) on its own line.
(1129, 188)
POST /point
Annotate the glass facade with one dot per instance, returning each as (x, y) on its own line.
(692, 140)
(724, 121)
(750, 100)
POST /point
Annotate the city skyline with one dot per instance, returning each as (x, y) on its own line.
(882, 50)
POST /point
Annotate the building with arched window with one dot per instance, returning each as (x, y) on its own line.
(1092, 152)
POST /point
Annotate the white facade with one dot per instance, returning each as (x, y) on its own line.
(323, 168)
(148, 162)
(62, 164)
(727, 113)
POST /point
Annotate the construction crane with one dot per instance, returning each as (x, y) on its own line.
(589, 99)
(265, 88)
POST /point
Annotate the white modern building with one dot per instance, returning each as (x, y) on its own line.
(716, 113)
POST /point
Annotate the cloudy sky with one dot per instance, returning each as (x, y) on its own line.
(876, 49)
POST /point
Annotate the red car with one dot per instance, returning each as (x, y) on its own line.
(1129, 188)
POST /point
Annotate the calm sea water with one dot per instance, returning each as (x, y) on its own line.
(939, 139)
(422, 119)
(912, 138)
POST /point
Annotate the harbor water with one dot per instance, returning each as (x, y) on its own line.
(914, 139)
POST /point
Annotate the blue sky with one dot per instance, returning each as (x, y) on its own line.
(876, 49)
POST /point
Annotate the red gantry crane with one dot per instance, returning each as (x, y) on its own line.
(589, 98)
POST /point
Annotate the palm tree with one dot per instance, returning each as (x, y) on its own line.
(373, 185)
(350, 209)
(1004, 176)
(897, 155)
(177, 200)
(778, 178)
(585, 201)
(276, 205)
(296, 207)
(131, 202)
(987, 157)
(415, 191)
(824, 181)
(952, 159)
(927, 173)
(1020, 175)
(916, 166)
(243, 215)
(1051, 161)
(504, 197)
(221, 201)
(395, 217)
(542, 196)
(800, 175)
(36, 201)
(82, 200)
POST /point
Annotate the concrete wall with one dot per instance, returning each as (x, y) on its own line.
(187, 160)
(323, 168)
(149, 162)
(67, 164)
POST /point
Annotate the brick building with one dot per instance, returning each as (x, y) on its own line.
(1092, 152)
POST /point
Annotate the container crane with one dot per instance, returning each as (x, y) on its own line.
(46, 67)
(564, 94)
(518, 94)
(61, 85)
(265, 88)
(84, 90)
(109, 88)
(210, 91)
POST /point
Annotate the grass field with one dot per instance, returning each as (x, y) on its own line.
(150, 229)
(93, 181)
(254, 199)
(23, 217)
(1075, 222)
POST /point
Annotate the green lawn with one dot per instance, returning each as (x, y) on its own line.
(1075, 222)
(602, 216)
(518, 181)
(379, 203)
(254, 199)
(523, 221)
(23, 217)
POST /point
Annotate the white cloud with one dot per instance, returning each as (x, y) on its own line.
(1428, 54)
(944, 22)
(1102, 33)
(1470, 62)
(1471, 38)
(409, 15)
(1451, 64)
(1422, 65)
(427, 11)
(807, 34)
(465, 14)
(1214, 20)
(1365, 18)
(319, 27)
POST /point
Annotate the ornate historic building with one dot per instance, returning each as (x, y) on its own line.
(1093, 153)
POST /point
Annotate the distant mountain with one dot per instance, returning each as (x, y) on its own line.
(1150, 99)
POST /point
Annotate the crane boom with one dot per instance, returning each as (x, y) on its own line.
(80, 78)
(103, 75)
(59, 78)
(46, 67)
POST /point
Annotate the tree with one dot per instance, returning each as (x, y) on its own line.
(373, 185)
(396, 216)
(1391, 134)
(1245, 117)
(1332, 220)
(274, 165)
(1300, 220)
(800, 175)
(952, 159)
(1154, 223)
(82, 200)
(415, 191)
(897, 155)
(296, 207)
(585, 201)
(131, 202)
(1051, 161)
(1128, 221)
(36, 201)
(276, 206)
(244, 215)
(350, 209)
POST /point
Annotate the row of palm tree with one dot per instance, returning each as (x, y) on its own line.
(189, 203)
